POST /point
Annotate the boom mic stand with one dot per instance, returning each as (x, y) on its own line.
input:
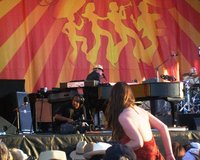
(153, 102)
(157, 68)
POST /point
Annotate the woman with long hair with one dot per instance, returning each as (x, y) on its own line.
(131, 125)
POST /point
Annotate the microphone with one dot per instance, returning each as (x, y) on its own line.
(25, 101)
(45, 89)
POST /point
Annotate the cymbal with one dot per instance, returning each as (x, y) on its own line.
(185, 74)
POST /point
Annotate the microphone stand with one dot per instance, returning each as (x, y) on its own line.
(18, 121)
(157, 68)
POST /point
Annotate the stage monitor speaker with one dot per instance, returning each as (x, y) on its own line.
(190, 120)
(197, 123)
(24, 117)
(6, 127)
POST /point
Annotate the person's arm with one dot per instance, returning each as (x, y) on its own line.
(63, 114)
(164, 132)
(136, 140)
(59, 117)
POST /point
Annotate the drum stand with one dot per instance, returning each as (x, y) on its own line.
(188, 105)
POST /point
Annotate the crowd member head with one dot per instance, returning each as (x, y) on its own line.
(95, 151)
(178, 150)
(4, 152)
(89, 151)
(18, 154)
(188, 151)
(121, 97)
(53, 155)
(119, 152)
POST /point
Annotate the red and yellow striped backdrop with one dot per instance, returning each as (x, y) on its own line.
(47, 42)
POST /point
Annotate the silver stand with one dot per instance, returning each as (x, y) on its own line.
(188, 105)
(18, 121)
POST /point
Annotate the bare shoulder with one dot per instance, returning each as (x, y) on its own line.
(139, 109)
(127, 112)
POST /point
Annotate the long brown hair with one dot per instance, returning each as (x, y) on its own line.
(121, 97)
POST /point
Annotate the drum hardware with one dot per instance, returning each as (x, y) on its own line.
(189, 75)
(196, 101)
(187, 106)
(191, 102)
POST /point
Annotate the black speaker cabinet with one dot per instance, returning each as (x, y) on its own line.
(24, 112)
(190, 120)
(197, 122)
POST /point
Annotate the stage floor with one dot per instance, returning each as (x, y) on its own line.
(33, 144)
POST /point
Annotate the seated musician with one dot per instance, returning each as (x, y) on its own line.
(72, 117)
(192, 76)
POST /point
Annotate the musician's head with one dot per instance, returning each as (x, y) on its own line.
(193, 71)
(99, 69)
(77, 101)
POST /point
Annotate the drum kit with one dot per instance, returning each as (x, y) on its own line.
(191, 101)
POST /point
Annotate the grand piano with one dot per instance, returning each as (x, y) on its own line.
(169, 91)
(148, 91)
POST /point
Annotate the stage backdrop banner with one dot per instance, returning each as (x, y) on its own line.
(47, 42)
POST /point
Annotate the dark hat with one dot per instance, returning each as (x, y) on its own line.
(119, 151)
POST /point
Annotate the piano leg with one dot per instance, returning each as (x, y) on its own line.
(153, 105)
(173, 113)
(173, 102)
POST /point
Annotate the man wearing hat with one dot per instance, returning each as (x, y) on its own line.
(96, 74)
(91, 93)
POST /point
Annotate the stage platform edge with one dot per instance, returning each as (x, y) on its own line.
(33, 144)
